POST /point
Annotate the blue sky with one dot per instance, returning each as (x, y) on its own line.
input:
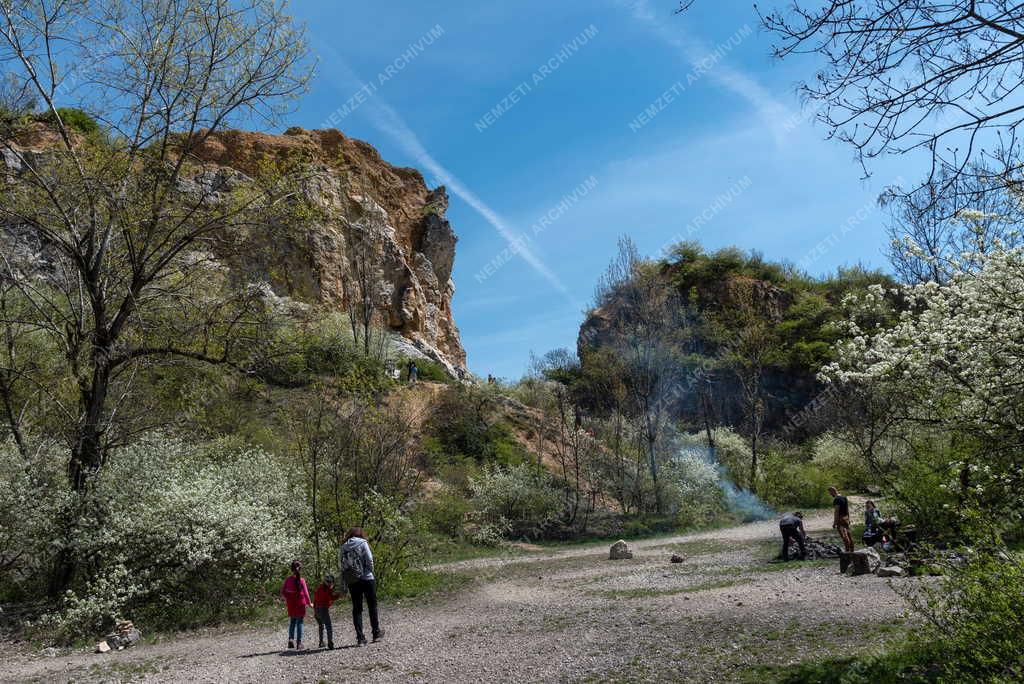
(724, 139)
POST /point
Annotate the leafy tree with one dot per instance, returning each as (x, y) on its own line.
(122, 275)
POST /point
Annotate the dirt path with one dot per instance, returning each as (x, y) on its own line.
(568, 615)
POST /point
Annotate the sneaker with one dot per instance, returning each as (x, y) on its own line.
(321, 645)
(361, 641)
(291, 644)
(330, 645)
(298, 646)
(379, 635)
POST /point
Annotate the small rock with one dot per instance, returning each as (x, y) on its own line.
(890, 571)
(50, 652)
(863, 561)
(102, 647)
(619, 551)
(676, 558)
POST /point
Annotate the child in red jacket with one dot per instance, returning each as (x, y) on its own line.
(322, 600)
(296, 598)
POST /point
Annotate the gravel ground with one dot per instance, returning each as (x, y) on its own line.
(566, 615)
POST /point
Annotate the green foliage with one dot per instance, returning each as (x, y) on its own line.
(465, 425)
(75, 119)
(519, 496)
(979, 618)
(788, 480)
(842, 462)
(430, 371)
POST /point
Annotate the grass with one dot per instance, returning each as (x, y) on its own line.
(899, 664)
(422, 584)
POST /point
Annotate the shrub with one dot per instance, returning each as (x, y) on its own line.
(33, 491)
(787, 479)
(519, 495)
(842, 461)
(75, 119)
(733, 452)
(175, 530)
(692, 489)
(977, 617)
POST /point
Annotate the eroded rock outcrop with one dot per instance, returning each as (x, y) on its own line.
(376, 224)
(373, 228)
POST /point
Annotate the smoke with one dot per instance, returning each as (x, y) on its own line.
(744, 503)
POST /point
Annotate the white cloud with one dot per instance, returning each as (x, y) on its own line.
(773, 113)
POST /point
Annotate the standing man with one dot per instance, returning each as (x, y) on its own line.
(841, 519)
(414, 372)
(792, 527)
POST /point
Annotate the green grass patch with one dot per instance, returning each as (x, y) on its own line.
(901, 664)
(420, 584)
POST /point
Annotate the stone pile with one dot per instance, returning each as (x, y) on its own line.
(124, 636)
(815, 549)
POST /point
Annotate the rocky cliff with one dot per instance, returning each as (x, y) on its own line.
(376, 226)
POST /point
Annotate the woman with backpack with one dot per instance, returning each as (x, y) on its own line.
(356, 561)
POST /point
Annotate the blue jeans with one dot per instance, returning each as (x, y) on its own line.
(295, 629)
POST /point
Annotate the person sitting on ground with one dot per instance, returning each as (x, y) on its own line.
(356, 561)
(792, 527)
(873, 532)
(841, 518)
(323, 597)
(296, 597)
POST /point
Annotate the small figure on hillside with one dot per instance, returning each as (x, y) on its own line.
(296, 597)
(841, 518)
(792, 527)
(490, 379)
(356, 562)
(323, 597)
(414, 372)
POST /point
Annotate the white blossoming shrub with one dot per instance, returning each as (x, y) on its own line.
(31, 496)
(517, 498)
(182, 533)
(953, 366)
(692, 489)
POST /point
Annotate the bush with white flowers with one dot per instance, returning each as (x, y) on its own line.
(953, 363)
(171, 529)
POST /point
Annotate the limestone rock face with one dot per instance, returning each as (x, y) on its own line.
(374, 224)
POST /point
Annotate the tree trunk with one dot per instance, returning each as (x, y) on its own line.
(753, 463)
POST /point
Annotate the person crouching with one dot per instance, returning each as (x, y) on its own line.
(792, 528)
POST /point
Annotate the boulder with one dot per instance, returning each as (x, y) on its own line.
(676, 558)
(619, 551)
(863, 561)
(890, 571)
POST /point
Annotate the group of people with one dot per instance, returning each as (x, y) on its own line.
(877, 529)
(355, 563)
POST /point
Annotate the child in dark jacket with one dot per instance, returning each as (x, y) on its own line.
(323, 597)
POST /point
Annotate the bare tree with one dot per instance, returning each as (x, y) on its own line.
(981, 212)
(127, 220)
(902, 75)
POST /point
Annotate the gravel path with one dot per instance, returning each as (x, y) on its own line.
(568, 615)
